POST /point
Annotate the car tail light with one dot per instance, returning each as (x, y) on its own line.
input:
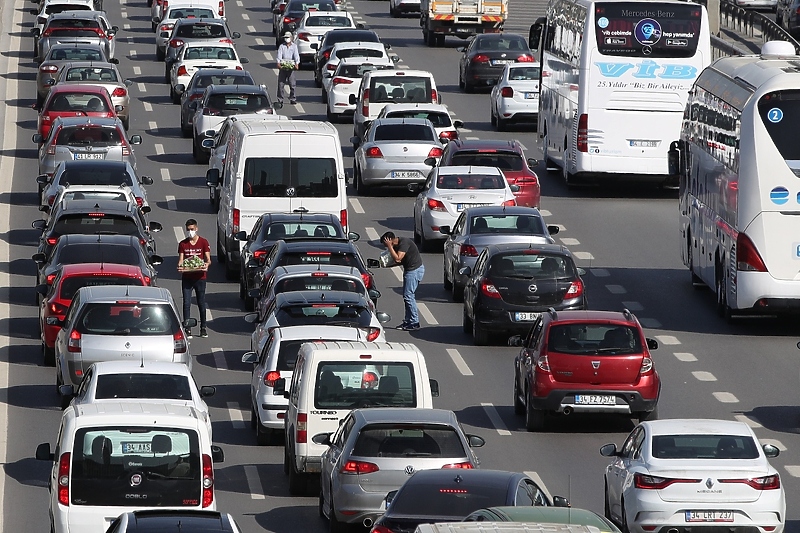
(303, 36)
(525, 58)
(481, 58)
(211, 112)
(167, 27)
(435, 152)
(48, 68)
(58, 309)
(374, 151)
(436, 205)
(288, 20)
(643, 481)
(359, 467)
(365, 103)
(507, 92)
(509, 202)
(301, 431)
(182, 71)
(120, 91)
(48, 32)
(63, 478)
(74, 342)
(647, 366)
(235, 222)
(147, 280)
(542, 363)
(380, 529)
(139, 200)
(575, 290)
(747, 257)
(142, 241)
(488, 289)
(373, 333)
(179, 342)
(367, 280)
(331, 66)
(467, 250)
(326, 54)
(52, 241)
(239, 67)
(221, 11)
(341, 81)
(50, 278)
(343, 218)
(369, 380)
(434, 96)
(759, 483)
(583, 133)
(449, 134)
(196, 96)
(271, 377)
(176, 43)
(465, 464)
(50, 199)
(208, 481)
(260, 255)
(51, 150)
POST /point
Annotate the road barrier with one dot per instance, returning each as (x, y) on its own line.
(749, 23)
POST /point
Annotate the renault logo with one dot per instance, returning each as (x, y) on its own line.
(595, 364)
(405, 148)
(409, 470)
(709, 483)
(127, 345)
(533, 288)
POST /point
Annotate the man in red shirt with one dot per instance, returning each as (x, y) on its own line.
(194, 280)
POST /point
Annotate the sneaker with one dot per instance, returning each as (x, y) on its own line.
(188, 332)
(293, 102)
(401, 325)
(411, 327)
(203, 332)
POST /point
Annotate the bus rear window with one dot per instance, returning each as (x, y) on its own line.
(780, 112)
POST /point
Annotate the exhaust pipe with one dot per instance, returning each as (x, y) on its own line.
(567, 412)
(368, 523)
(672, 530)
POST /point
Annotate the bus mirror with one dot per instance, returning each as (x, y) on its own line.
(673, 159)
(535, 33)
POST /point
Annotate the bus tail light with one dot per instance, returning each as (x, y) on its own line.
(747, 257)
(583, 133)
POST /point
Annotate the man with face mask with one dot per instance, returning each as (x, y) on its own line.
(194, 246)
(287, 55)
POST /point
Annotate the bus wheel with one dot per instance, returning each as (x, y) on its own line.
(723, 309)
(697, 283)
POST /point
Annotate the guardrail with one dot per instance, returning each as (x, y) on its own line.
(722, 48)
(749, 23)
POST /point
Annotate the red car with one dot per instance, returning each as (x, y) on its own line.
(74, 101)
(505, 155)
(70, 278)
(585, 362)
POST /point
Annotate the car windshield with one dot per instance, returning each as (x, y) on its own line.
(594, 339)
(434, 499)
(92, 74)
(312, 177)
(437, 118)
(348, 385)
(488, 158)
(488, 43)
(404, 132)
(96, 175)
(209, 52)
(200, 30)
(318, 281)
(75, 54)
(329, 21)
(78, 101)
(76, 253)
(124, 318)
(190, 12)
(524, 73)
(288, 230)
(323, 314)
(509, 224)
(91, 223)
(201, 80)
(143, 386)
(72, 284)
(409, 440)
(400, 89)
(470, 181)
(300, 257)
(359, 52)
(704, 447)
(88, 135)
(229, 104)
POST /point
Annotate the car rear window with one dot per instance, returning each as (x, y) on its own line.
(61, 8)
(124, 318)
(190, 12)
(438, 119)
(74, 23)
(400, 89)
(318, 283)
(92, 74)
(96, 175)
(76, 54)
(531, 264)
(436, 499)
(204, 80)
(359, 52)
(323, 314)
(329, 21)
(72, 284)
(76, 253)
(91, 223)
(78, 101)
(510, 224)
(228, 104)
(200, 31)
(704, 447)
(357, 71)
(488, 43)
(95, 195)
(488, 158)
(349, 385)
(594, 339)
(313, 177)
(403, 132)
(210, 52)
(346, 36)
(61, 33)
(88, 135)
(409, 440)
(143, 386)
(318, 258)
(287, 230)
(524, 73)
(470, 181)
(311, 6)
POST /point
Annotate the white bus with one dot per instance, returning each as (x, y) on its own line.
(615, 75)
(738, 162)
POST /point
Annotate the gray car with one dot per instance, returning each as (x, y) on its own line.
(396, 151)
(105, 75)
(85, 138)
(478, 227)
(193, 30)
(119, 323)
(376, 450)
(86, 27)
(197, 86)
(89, 172)
(58, 56)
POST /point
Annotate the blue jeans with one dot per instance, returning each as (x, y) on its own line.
(199, 288)
(411, 280)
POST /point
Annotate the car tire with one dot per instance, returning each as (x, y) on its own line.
(392, 12)
(297, 481)
(285, 457)
(186, 131)
(253, 417)
(249, 303)
(362, 189)
(166, 75)
(48, 355)
(519, 405)
(324, 95)
(439, 41)
(460, 80)
(318, 84)
(644, 416)
(160, 56)
(263, 435)
(176, 98)
(534, 418)
(331, 116)
(492, 118)
(446, 283)
(334, 525)
(425, 245)
(425, 36)
(501, 124)
(466, 323)
(479, 335)
(200, 156)
(457, 292)
(606, 506)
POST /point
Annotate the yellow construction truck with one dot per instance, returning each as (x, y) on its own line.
(460, 18)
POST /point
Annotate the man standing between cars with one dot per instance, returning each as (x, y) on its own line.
(405, 252)
(194, 280)
(287, 53)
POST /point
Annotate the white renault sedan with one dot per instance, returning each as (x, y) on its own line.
(314, 26)
(515, 96)
(688, 474)
(201, 54)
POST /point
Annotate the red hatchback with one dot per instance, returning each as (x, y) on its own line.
(70, 278)
(74, 101)
(505, 155)
(585, 362)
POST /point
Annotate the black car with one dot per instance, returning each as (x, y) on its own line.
(512, 284)
(483, 59)
(189, 30)
(447, 495)
(273, 227)
(197, 86)
(343, 35)
(91, 217)
(294, 12)
(162, 521)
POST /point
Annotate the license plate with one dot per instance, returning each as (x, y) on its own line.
(136, 447)
(525, 317)
(461, 207)
(709, 516)
(594, 399)
(645, 144)
(405, 174)
(501, 61)
(530, 96)
(89, 156)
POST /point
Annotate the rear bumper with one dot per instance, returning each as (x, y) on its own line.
(761, 293)
(627, 402)
(381, 173)
(499, 320)
(357, 504)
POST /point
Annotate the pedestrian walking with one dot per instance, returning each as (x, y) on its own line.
(288, 62)
(193, 279)
(405, 252)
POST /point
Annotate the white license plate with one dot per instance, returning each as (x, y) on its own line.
(644, 144)
(530, 96)
(594, 399)
(501, 61)
(709, 516)
(89, 156)
(461, 207)
(525, 317)
(405, 174)
(136, 447)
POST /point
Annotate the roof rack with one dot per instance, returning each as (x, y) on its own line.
(627, 313)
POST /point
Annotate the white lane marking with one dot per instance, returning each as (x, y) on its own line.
(587, 256)
(209, 316)
(219, 358)
(465, 130)
(616, 289)
(535, 477)
(239, 3)
(142, 87)
(159, 149)
(650, 322)
(129, 39)
(148, 107)
(667, 339)
(137, 71)
(794, 470)
(259, 41)
(461, 365)
(357, 207)
(522, 146)
(471, 138)
(237, 420)
(774, 442)
(126, 26)
(245, 16)
(543, 212)
(686, 357)
(171, 204)
(268, 55)
(253, 482)
(251, 29)
(164, 174)
(124, 14)
(633, 306)
(702, 375)
(178, 233)
(132, 53)
(404, 66)
(726, 397)
(747, 420)
(569, 241)
(153, 127)
(299, 108)
(275, 71)
(600, 272)
(372, 234)
(494, 417)
(398, 273)
(426, 314)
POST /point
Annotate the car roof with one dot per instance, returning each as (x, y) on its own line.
(78, 88)
(493, 249)
(113, 293)
(693, 426)
(497, 479)
(80, 14)
(468, 169)
(486, 144)
(501, 210)
(398, 120)
(236, 89)
(312, 297)
(305, 270)
(594, 316)
(141, 367)
(132, 412)
(427, 106)
(559, 515)
(399, 72)
(90, 121)
(315, 244)
(104, 269)
(377, 415)
(360, 44)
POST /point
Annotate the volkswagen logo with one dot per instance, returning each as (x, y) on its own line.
(127, 345)
(136, 480)
(709, 483)
(290, 191)
(595, 364)
(405, 148)
(533, 288)
(409, 470)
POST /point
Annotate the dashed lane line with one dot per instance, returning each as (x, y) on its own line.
(471, 138)
(702, 375)
(426, 314)
(300, 109)
(235, 414)
(171, 203)
(461, 365)
(159, 149)
(251, 29)
(667, 339)
(794, 470)
(178, 233)
(586, 256)
(126, 27)
(148, 107)
(259, 41)
(633, 306)
(545, 212)
(726, 397)
(356, 205)
(142, 87)
(616, 289)
(372, 234)
(747, 420)
(650, 323)
(153, 126)
(165, 174)
(219, 358)
(239, 3)
(209, 316)
(137, 71)
(253, 482)
(132, 54)
(124, 14)
(245, 16)
(569, 241)
(686, 357)
(600, 272)
(495, 419)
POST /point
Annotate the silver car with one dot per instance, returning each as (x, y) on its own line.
(58, 56)
(86, 27)
(105, 75)
(396, 151)
(88, 172)
(479, 227)
(376, 450)
(119, 323)
(85, 138)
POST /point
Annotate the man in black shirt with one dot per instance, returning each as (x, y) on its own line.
(404, 251)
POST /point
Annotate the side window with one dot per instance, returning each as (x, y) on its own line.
(299, 369)
(338, 438)
(627, 448)
(523, 498)
(267, 348)
(458, 227)
(347, 428)
(72, 311)
(84, 383)
(534, 334)
(637, 445)
(537, 495)
(257, 228)
(271, 257)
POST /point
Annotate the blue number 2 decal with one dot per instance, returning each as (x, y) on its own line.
(775, 115)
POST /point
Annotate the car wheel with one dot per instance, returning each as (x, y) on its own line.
(263, 435)
(362, 189)
(249, 303)
(324, 95)
(186, 130)
(160, 55)
(548, 163)
(318, 84)
(253, 417)
(501, 124)
(648, 415)
(392, 11)
(448, 285)
(519, 405)
(457, 290)
(425, 36)
(285, 458)
(220, 251)
(440, 41)
(297, 481)
(334, 525)
(425, 245)
(153, 26)
(479, 335)
(176, 98)
(49, 355)
(492, 117)
(200, 156)
(534, 418)
(466, 323)
(460, 80)
(58, 381)
(417, 238)
(569, 179)
(697, 283)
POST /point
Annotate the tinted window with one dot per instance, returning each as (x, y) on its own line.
(287, 354)
(318, 283)
(74, 23)
(121, 254)
(95, 195)
(403, 132)
(190, 12)
(329, 21)
(511, 224)
(274, 176)
(403, 440)
(524, 73)
(359, 52)
(92, 74)
(704, 447)
(70, 285)
(60, 8)
(144, 386)
(346, 385)
(85, 102)
(209, 52)
(88, 135)
(357, 71)
(489, 43)
(778, 112)
(71, 32)
(206, 80)
(127, 319)
(436, 500)
(502, 160)
(531, 264)
(96, 175)
(227, 104)
(92, 223)
(470, 181)
(400, 89)
(323, 314)
(75, 54)
(200, 31)
(344, 36)
(439, 120)
(594, 339)
(317, 258)
(288, 230)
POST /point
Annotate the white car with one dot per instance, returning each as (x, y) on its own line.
(313, 27)
(515, 96)
(121, 193)
(48, 7)
(445, 127)
(401, 7)
(344, 81)
(450, 190)
(196, 55)
(693, 474)
(156, 382)
(166, 21)
(375, 52)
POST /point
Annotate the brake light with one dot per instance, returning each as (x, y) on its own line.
(74, 342)
(167, 27)
(435, 152)
(647, 366)
(481, 58)
(434, 96)
(543, 364)
(271, 377)
(331, 66)
(226, 41)
(179, 342)
(583, 133)
(367, 280)
(51, 150)
(341, 81)
(326, 54)
(52, 241)
(301, 431)
(50, 199)
(63, 478)
(50, 278)
(467, 250)
(260, 255)
(449, 134)
(374, 151)
(303, 36)
(126, 150)
(436, 205)
(119, 91)
(221, 11)
(343, 218)
(58, 309)
(196, 96)
(208, 481)
(507, 92)
(575, 290)
(380, 529)
(176, 43)
(182, 71)
(509, 202)
(759, 483)
(373, 334)
(235, 222)
(48, 68)
(747, 257)
(142, 241)
(288, 20)
(465, 464)
(643, 481)
(359, 467)
(369, 380)
(147, 280)
(488, 289)
(365, 103)
(47, 32)
(525, 58)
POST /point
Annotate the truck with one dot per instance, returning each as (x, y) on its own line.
(460, 18)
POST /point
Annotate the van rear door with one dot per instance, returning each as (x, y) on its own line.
(317, 180)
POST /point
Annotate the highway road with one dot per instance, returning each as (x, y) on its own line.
(626, 238)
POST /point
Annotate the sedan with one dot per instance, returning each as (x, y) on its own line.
(450, 190)
(483, 60)
(544, 515)
(89, 172)
(197, 87)
(397, 151)
(313, 27)
(338, 85)
(58, 56)
(289, 16)
(74, 101)
(479, 227)
(334, 37)
(163, 26)
(374, 452)
(371, 52)
(199, 55)
(102, 74)
(515, 96)
(693, 473)
(438, 114)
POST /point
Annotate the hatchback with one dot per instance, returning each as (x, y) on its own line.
(74, 101)
(515, 96)
(338, 85)
(197, 87)
(90, 27)
(585, 362)
(212, 31)
(370, 52)
(60, 55)
(438, 114)
(104, 74)
(47, 8)
(92, 172)
(313, 27)
(332, 38)
(290, 15)
(483, 60)
(194, 56)
(163, 26)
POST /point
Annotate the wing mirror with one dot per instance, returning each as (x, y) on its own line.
(127, 83)
(146, 180)
(37, 138)
(277, 105)
(254, 293)
(156, 260)
(39, 258)
(236, 35)
(560, 501)
(190, 323)
(352, 99)
(515, 340)
(461, 49)
(430, 161)
(382, 317)
(314, 46)
(67, 391)
(465, 271)
(609, 450)
(279, 389)
(145, 209)
(33, 12)
(212, 177)
(359, 26)
(353, 236)
(207, 143)
(217, 455)
(43, 452)
(49, 82)
(434, 387)
(457, 124)
(355, 141)
(114, 61)
(136, 139)
(514, 188)
(119, 108)
(445, 230)
(250, 357)
(374, 263)
(771, 450)
(327, 74)
(323, 439)
(207, 391)
(244, 60)
(553, 230)
(533, 162)
(42, 288)
(39, 224)
(241, 236)
(374, 294)
(475, 441)
(155, 227)
(35, 31)
(44, 209)
(652, 344)
(414, 187)
(251, 318)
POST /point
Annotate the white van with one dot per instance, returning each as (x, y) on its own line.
(332, 378)
(113, 458)
(276, 167)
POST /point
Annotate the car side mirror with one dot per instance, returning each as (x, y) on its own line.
(560, 501)
(156, 20)
(212, 177)
(445, 230)
(327, 74)
(359, 26)
(279, 388)
(434, 384)
(314, 46)
(251, 318)
(465, 271)
(37, 138)
(67, 391)
(156, 260)
(217, 455)
(387, 46)
(35, 31)
(254, 293)
(209, 133)
(42, 179)
(533, 162)
(276, 11)
(553, 230)
(457, 124)
(374, 263)
(114, 61)
(240, 236)
(207, 143)
(42, 288)
(136, 139)
(514, 188)
(155, 227)
(190, 323)
(119, 108)
(207, 390)
(771, 450)
(374, 294)
(652, 344)
(277, 105)
(515, 340)
(145, 209)
(236, 35)
(475, 441)
(39, 258)
(430, 161)
(581, 271)
(39, 224)
(414, 187)
(193, 105)
(382, 317)
(395, 59)
(54, 321)
(355, 141)
(323, 439)
(43, 452)
(146, 180)
(352, 99)
(353, 236)
(49, 82)
(244, 60)
(250, 357)
(127, 83)
(609, 450)
(44, 209)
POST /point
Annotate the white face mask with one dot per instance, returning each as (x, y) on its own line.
(191, 233)
(287, 40)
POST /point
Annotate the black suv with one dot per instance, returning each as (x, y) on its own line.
(512, 284)
(191, 30)
(343, 35)
(197, 86)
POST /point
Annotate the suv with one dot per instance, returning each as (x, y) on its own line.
(586, 362)
(190, 30)
(88, 27)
